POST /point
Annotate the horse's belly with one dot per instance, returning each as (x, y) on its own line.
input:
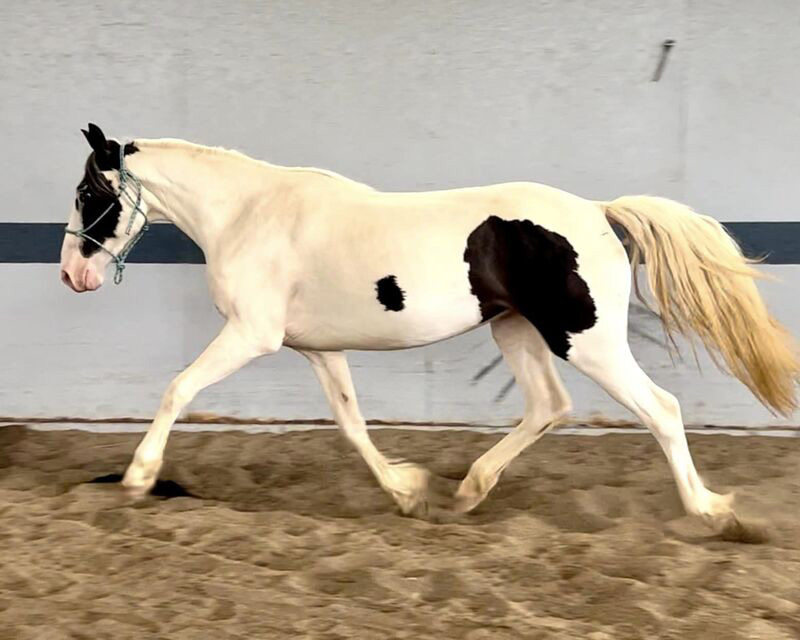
(350, 324)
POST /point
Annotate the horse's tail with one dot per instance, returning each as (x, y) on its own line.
(704, 285)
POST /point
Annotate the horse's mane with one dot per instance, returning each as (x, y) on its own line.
(199, 149)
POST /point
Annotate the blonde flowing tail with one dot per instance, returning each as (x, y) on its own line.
(703, 285)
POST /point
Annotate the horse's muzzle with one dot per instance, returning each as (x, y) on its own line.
(87, 281)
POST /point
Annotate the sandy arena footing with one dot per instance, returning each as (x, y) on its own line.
(264, 535)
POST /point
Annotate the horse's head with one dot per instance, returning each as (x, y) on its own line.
(107, 217)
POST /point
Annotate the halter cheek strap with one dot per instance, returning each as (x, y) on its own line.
(125, 178)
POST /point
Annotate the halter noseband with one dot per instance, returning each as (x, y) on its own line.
(125, 177)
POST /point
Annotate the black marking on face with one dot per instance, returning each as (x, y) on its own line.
(95, 193)
(390, 295)
(95, 196)
(518, 265)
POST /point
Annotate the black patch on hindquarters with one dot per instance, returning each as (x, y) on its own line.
(518, 265)
(390, 295)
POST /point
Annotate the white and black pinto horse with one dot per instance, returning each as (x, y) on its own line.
(309, 259)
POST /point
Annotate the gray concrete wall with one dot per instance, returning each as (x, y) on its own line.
(411, 95)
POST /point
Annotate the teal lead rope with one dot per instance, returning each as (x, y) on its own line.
(125, 178)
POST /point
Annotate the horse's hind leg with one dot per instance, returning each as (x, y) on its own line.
(546, 402)
(405, 482)
(603, 354)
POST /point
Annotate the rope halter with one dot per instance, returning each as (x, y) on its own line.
(126, 178)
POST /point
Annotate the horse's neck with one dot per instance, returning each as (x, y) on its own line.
(200, 191)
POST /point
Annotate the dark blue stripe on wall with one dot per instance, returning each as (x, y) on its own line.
(23, 242)
(41, 242)
(779, 242)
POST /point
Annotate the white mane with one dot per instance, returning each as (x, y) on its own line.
(199, 149)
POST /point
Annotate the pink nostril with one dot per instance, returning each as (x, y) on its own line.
(67, 280)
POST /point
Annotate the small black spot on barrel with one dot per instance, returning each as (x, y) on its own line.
(390, 295)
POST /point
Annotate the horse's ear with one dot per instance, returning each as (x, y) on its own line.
(96, 139)
(106, 152)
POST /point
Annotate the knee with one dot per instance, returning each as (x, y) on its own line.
(177, 396)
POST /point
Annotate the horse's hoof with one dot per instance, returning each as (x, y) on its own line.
(466, 503)
(471, 493)
(140, 479)
(409, 488)
(136, 491)
(413, 504)
(419, 509)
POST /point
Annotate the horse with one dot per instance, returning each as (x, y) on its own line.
(311, 260)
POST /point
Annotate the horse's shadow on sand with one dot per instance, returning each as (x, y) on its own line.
(353, 495)
(164, 489)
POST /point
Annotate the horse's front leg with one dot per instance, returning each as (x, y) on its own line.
(404, 481)
(233, 348)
